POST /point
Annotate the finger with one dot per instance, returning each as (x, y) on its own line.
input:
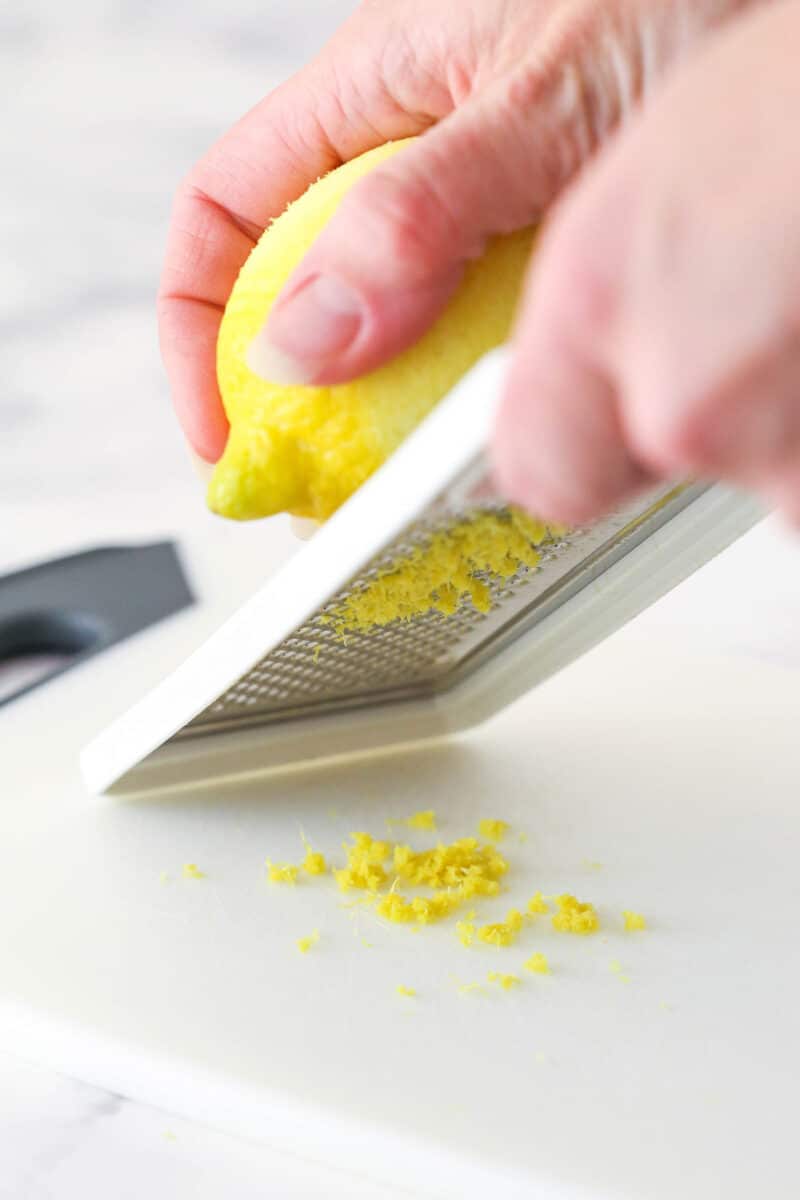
(392, 256)
(387, 263)
(559, 448)
(296, 134)
(672, 272)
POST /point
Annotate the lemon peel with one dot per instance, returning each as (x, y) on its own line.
(304, 449)
(633, 920)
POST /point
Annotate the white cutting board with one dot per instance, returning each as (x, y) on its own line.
(669, 755)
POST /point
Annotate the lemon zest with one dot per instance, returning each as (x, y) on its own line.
(574, 916)
(506, 982)
(422, 820)
(466, 931)
(492, 830)
(282, 872)
(452, 568)
(304, 944)
(502, 933)
(537, 904)
(538, 964)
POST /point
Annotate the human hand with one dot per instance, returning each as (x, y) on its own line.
(660, 334)
(518, 94)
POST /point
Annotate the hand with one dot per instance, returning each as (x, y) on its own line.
(519, 93)
(660, 334)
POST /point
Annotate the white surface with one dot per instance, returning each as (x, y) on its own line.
(672, 763)
(61, 1139)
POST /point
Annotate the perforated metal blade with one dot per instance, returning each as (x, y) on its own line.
(281, 686)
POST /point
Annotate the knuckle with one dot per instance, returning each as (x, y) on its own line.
(674, 437)
(522, 90)
(403, 220)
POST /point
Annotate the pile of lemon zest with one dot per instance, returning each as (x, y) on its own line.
(421, 910)
(455, 567)
(506, 981)
(282, 872)
(633, 920)
(402, 990)
(466, 932)
(304, 944)
(538, 964)
(464, 864)
(574, 916)
(492, 830)
(503, 933)
(192, 871)
(537, 904)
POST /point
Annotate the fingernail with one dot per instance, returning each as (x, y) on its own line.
(319, 320)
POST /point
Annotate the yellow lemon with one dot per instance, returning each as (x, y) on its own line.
(304, 450)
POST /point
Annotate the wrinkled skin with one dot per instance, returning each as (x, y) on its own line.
(658, 333)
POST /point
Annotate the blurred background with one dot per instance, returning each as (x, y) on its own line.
(106, 104)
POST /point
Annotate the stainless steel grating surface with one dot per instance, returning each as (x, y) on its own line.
(314, 670)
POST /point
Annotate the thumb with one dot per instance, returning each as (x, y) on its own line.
(388, 261)
(391, 257)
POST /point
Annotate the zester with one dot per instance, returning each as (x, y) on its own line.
(278, 686)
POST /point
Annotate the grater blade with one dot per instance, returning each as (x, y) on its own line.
(279, 686)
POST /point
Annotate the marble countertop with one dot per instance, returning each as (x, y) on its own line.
(106, 104)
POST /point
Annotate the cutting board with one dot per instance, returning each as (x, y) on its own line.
(659, 773)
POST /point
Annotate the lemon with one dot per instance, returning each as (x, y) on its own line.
(304, 450)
